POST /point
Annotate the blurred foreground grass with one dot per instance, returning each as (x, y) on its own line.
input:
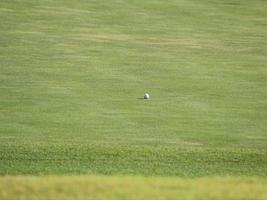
(120, 187)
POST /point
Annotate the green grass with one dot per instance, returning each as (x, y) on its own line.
(99, 188)
(72, 74)
(72, 77)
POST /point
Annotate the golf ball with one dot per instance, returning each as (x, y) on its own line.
(146, 96)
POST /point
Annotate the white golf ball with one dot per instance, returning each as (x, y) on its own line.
(146, 96)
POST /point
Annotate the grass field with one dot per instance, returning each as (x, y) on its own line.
(73, 74)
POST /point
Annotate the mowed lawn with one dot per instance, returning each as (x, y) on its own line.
(73, 74)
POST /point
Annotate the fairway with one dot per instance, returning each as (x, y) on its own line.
(73, 75)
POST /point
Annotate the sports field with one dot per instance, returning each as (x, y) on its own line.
(72, 79)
